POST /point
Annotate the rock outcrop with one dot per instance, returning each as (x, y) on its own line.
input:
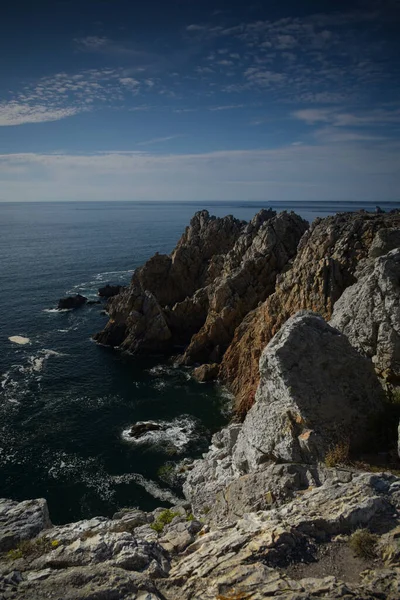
(315, 391)
(309, 401)
(71, 302)
(329, 255)
(196, 297)
(368, 312)
(169, 555)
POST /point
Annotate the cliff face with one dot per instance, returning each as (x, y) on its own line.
(328, 257)
(196, 297)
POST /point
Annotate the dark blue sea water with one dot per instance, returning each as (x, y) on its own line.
(64, 401)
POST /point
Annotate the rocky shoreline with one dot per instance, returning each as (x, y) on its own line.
(300, 497)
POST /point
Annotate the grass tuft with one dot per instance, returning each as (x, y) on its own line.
(363, 543)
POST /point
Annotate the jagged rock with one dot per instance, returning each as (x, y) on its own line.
(384, 241)
(328, 256)
(247, 276)
(220, 269)
(71, 302)
(137, 323)
(21, 521)
(368, 313)
(109, 291)
(206, 372)
(309, 398)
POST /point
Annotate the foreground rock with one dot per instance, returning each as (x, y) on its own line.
(368, 313)
(328, 258)
(21, 521)
(308, 403)
(315, 392)
(220, 270)
(71, 302)
(168, 555)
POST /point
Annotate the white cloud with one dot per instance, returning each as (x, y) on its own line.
(226, 107)
(294, 172)
(159, 140)
(338, 118)
(13, 113)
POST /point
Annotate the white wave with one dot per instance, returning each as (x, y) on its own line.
(19, 339)
(150, 486)
(36, 362)
(57, 310)
(173, 436)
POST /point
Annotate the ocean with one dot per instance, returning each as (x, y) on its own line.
(67, 403)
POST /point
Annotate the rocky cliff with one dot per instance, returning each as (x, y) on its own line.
(196, 297)
(281, 504)
(329, 256)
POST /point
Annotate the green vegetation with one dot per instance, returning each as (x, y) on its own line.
(30, 549)
(363, 543)
(190, 517)
(163, 519)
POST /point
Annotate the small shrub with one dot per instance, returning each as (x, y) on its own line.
(338, 454)
(31, 549)
(14, 554)
(163, 519)
(363, 543)
(190, 517)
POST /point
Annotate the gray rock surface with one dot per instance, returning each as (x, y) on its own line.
(21, 521)
(107, 559)
(368, 312)
(315, 390)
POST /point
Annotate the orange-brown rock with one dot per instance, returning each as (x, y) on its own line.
(326, 263)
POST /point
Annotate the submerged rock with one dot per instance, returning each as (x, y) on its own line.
(368, 313)
(142, 427)
(71, 302)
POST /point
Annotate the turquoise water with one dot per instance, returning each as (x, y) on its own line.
(64, 401)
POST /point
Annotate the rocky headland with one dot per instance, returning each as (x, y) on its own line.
(299, 497)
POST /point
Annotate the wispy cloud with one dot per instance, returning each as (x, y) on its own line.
(293, 172)
(159, 140)
(13, 113)
(67, 94)
(226, 107)
(337, 118)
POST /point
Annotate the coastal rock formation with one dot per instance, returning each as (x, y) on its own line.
(328, 257)
(308, 401)
(220, 270)
(71, 302)
(368, 313)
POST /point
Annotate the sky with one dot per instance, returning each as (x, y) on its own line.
(200, 100)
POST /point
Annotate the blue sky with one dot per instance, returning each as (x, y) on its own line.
(200, 100)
